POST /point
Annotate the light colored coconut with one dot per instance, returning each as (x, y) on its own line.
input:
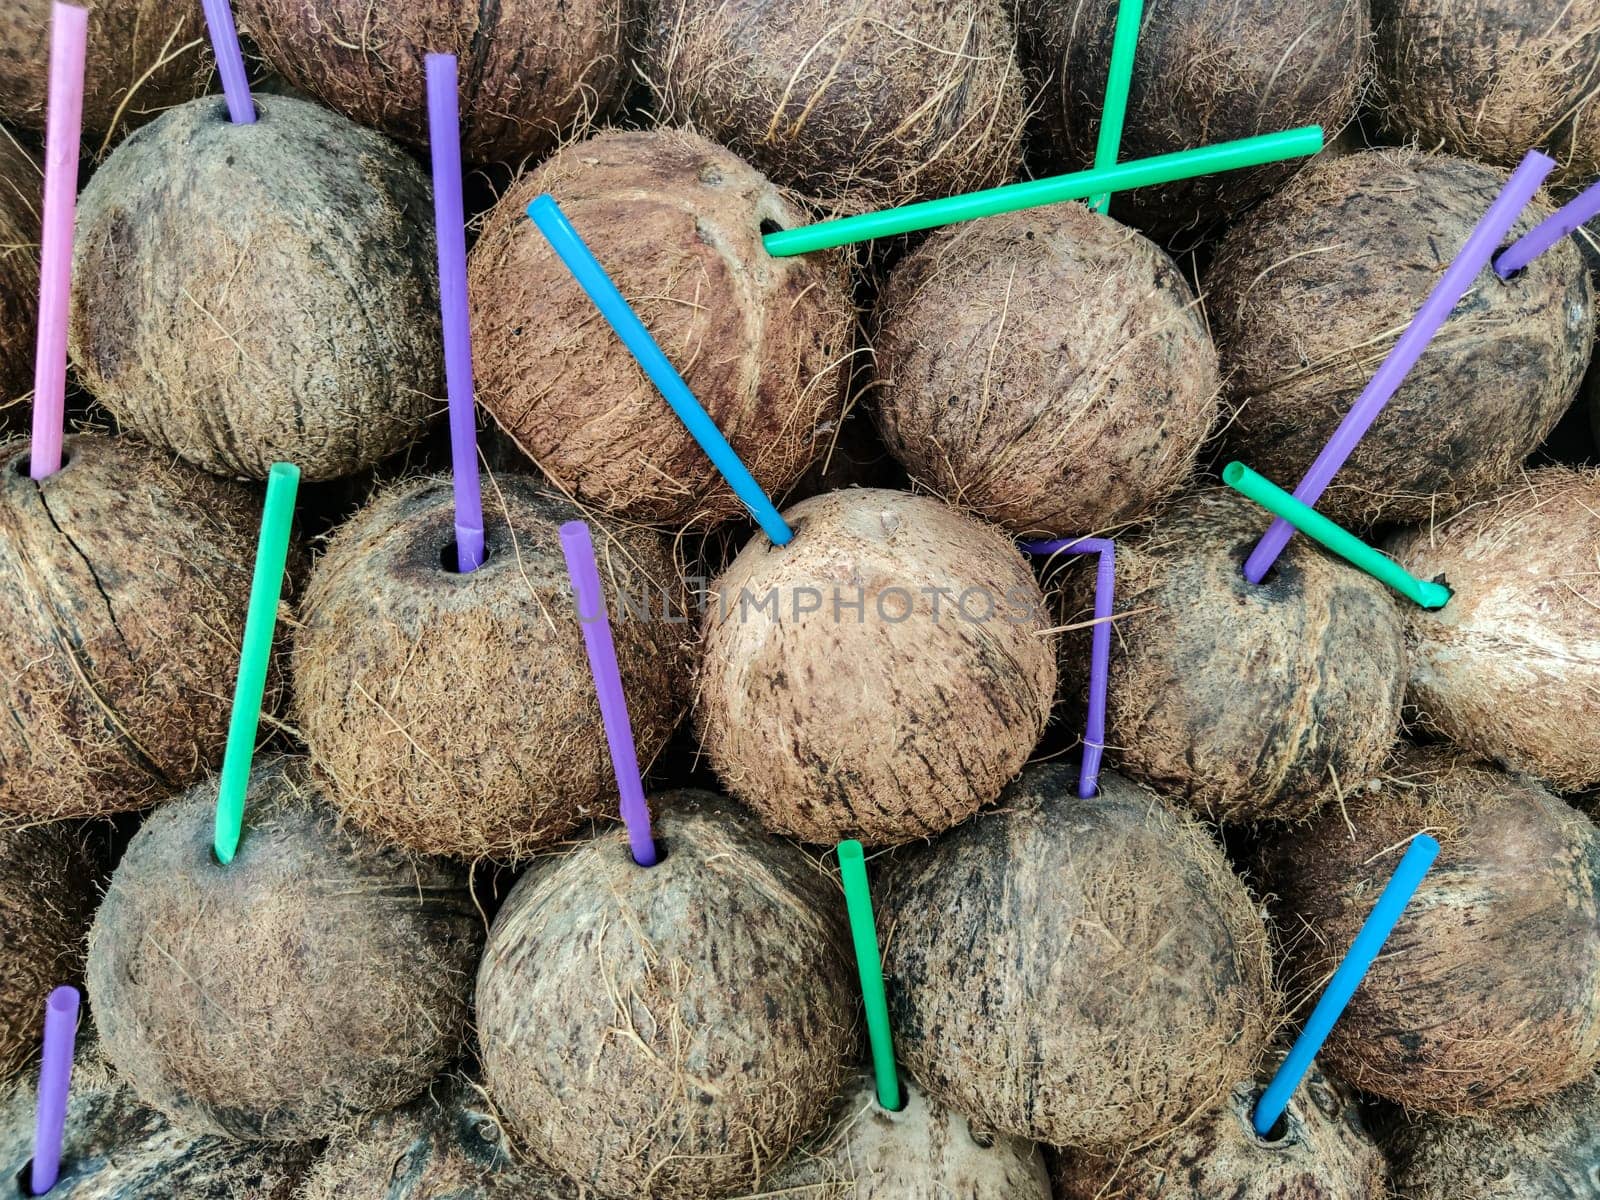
(20, 184)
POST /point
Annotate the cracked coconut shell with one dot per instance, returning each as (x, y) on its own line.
(20, 184)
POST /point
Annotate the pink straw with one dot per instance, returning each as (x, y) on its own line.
(1549, 231)
(69, 35)
(1453, 284)
(585, 575)
(230, 61)
(55, 1080)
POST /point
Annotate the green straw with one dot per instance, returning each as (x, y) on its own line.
(1144, 172)
(1342, 542)
(864, 932)
(272, 555)
(1129, 14)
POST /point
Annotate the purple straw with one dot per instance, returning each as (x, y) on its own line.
(1452, 285)
(1549, 231)
(230, 61)
(585, 576)
(55, 1078)
(1105, 582)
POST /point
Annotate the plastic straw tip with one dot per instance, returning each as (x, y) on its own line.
(544, 208)
(1233, 473)
(64, 1000)
(851, 852)
(1433, 595)
(1425, 846)
(283, 472)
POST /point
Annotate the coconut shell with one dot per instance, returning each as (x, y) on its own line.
(670, 1032)
(314, 978)
(125, 578)
(1510, 668)
(1309, 292)
(1488, 991)
(889, 721)
(764, 343)
(455, 713)
(250, 293)
(20, 184)
(1087, 973)
(1049, 370)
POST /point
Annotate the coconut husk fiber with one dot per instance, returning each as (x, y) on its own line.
(1309, 292)
(764, 343)
(20, 184)
(669, 1033)
(125, 578)
(456, 713)
(315, 978)
(1086, 973)
(244, 294)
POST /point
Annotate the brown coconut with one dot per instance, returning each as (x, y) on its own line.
(20, 184)
(1510, 668)
(125, 578)
(1488, 991)
(250, 293)
(873, 102)
(1245, 701)
(314, 978)
(764, 343)
(670, 1032)
(1086, 973)
(1050, 370)
(880, 677)
(456, 713)
(1309, 292)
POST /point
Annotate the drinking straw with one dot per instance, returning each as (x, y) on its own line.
(69, 35)
(592, 278)
(1452, 285)
(1396, 895)
(1105, 580)
(584, 572)
(230, 61)
(272, 555)
(1118, 79)
(864, 933)
(1342, 542)
(1143, 172)
(1549, 231)
(55, 1079)
(450, 223)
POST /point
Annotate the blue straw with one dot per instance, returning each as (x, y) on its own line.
(1386, 912)
(592, 277)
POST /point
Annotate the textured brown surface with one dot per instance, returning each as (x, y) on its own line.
(1088, 973)
(249, 293)
(20, 185)
(669, 1033)
(1049, 370)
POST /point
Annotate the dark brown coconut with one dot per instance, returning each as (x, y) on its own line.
(1309, 292)
(1086, 973)
(249, 293)
(877, 102)
(670, 1032)
(125, 578)
(314, 978)
(880, 677)
(1510, 668)
(763, 342)
(1488, 991)
(456, 714)
(1050, 370)
(1246, 702)
(20, 184)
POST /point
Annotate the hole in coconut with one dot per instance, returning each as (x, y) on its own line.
(450, 557)
(1515, 275)
(1241, 555)
(25, 1180)
(662, 849)
(769, 227)
(23, 463)
(1278, 1136)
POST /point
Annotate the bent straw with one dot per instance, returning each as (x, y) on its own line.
(584, 573)
(272, 556)
(1144, 172)
(592, 278)
(450, 225)
(1342, 542)
(230, 61)
(1380, 923)
(1118, 79)
(55, 1081)
(69, 36)
(1452, 285)
(1549, 231)
(864, 933)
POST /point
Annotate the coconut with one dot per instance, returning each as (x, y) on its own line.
(125, 578)
(1510, 668)
(250, 293)
(1309, 292)
(1086, 973)
(670, 1032)
(529, 70)
(19, 274)
(880, 677)
(763, 342)
(456, 713)
(1488, 990)
(314, 978)
(1050, 370)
